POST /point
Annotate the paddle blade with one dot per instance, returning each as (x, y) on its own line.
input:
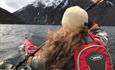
(98, 1)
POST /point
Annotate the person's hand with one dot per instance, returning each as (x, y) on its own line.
(93, 27)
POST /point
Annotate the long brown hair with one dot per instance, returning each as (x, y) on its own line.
(59, 48)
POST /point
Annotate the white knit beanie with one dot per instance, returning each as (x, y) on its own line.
(74, 17)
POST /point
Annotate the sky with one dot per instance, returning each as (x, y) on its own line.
(13, 5)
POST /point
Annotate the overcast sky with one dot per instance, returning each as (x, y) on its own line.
(13, 5)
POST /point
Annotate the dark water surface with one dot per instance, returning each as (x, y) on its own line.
(11, 36)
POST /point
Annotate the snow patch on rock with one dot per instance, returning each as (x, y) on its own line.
(47, 3)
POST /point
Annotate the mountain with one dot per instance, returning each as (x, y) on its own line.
(9, 18)
(51, 11)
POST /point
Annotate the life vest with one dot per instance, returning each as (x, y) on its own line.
(92, 56)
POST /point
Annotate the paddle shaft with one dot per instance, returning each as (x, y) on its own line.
(26, 58)
(94, 4)
(90, 7)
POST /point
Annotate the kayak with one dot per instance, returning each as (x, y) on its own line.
(26, 48)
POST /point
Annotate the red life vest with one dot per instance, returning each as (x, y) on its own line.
(93, 56)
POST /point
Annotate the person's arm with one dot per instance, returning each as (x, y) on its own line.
(97, 30)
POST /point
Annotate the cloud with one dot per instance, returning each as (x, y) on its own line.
(4, 5)
(13, 5)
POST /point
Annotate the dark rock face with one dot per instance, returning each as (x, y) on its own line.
(103, 14)
(8, 18)
(31, 14)
(40, 13)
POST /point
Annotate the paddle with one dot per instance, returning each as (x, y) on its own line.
(96, 2)
(26, 58)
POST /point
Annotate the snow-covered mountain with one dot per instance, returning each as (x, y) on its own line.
(46, 11)
(51, 11)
